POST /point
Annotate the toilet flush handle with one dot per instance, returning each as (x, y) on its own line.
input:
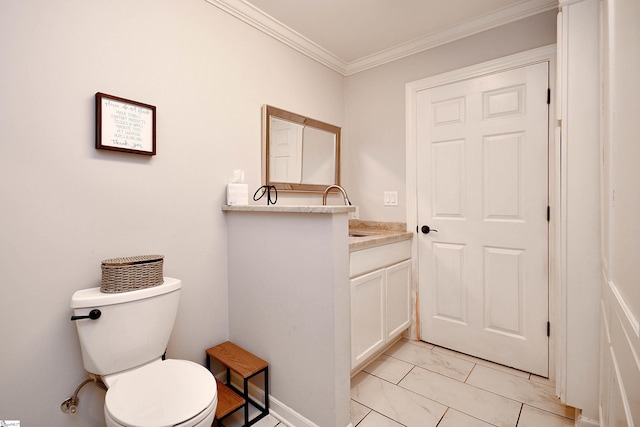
(93, 315)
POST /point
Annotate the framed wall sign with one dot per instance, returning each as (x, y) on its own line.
(125, 125)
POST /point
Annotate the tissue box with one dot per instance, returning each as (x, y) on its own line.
(237, 194)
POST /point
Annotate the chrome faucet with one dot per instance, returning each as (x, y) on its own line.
(335, 187)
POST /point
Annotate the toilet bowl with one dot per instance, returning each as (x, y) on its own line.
(163, 393)
(124, 346)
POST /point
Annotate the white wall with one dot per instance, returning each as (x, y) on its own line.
(66, 206)
(620, 314)
(374, 151)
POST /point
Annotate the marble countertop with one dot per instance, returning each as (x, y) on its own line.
(362, 234)
(368, 234)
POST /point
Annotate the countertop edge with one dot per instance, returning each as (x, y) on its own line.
(377, 239)
(290, 209)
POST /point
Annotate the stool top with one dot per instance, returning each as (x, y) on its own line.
(237, 359)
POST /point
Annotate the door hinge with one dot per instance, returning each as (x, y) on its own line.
(549, 96)
(548, 213)
(548, 329)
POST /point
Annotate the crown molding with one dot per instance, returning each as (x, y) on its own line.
(256, 18)
(477, 25)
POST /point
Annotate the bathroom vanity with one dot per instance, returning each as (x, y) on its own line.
(288, 275)
(312, 301)
(380, 282)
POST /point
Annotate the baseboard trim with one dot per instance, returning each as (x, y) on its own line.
(288, 416)
(586, 422)
(277, 409)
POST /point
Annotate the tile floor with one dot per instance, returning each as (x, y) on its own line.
(419, 384)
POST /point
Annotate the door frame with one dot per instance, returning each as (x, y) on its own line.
(534, 56)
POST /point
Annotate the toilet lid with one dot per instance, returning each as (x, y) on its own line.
(161, 394)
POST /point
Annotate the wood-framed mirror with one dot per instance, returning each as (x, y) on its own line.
(299, 154)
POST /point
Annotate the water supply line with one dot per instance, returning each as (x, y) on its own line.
(70, 406)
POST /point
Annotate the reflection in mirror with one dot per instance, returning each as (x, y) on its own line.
(298, 153)
(318, 166)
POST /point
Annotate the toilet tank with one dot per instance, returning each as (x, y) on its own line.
(134, 327)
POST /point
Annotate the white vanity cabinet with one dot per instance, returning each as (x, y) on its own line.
(380, 297)
(398, 296)
(367, 316)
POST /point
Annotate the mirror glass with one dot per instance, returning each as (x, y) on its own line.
(298, 153)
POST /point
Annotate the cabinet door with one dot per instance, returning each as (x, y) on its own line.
(398, 288)
(367, 315)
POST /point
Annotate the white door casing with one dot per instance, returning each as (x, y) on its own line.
(482, 182)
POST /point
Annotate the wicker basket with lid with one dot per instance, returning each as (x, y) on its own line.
(131, 273)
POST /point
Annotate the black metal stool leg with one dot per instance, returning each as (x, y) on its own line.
(246, 398)
(266, 390)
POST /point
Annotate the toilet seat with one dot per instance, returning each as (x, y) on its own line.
(162, 394)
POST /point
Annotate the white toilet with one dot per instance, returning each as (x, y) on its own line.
(125, 344)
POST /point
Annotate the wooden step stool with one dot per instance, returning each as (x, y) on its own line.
(246, 365)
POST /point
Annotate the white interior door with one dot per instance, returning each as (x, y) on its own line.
(482, 156)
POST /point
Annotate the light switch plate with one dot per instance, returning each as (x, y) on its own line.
(391, 198)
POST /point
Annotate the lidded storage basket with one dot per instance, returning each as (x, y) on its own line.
(131, 273)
